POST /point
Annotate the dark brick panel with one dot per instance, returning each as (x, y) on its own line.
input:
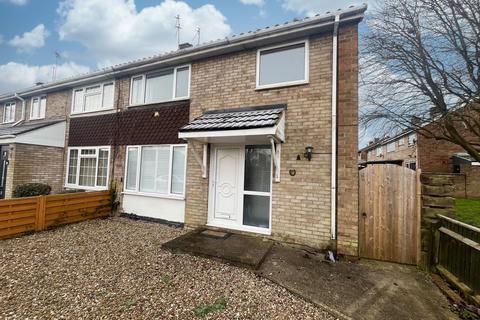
(157, 124)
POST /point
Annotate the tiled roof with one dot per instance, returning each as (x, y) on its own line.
(26, 127)
(241, 118)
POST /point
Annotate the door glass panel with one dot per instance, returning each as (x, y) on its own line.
(256, 211)
(258, 174)
(258, 177)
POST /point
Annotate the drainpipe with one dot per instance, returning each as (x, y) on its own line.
(23, 110)
(333, 195)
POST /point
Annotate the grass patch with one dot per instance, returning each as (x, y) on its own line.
(203, 310)
(130, 303)
(166, 280)
(468, 211)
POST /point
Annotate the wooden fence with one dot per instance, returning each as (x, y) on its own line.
(458, 254)
(24, 215)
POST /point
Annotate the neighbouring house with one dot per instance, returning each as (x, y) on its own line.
(414, 151)
(32, 139)
(254, 133)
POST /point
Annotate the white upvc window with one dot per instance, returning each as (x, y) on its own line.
(412, 139)
(391, 147)
(9, 112)
(401, 141)
(91, 98)
(156, 170)
(283, 65)
(38, 107)
(160, 86)
(88, 168)
(379, 151)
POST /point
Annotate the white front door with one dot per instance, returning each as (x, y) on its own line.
(240, 187)
(227, 183)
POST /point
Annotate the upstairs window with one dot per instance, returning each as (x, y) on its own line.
(37, 110)
(412, 139)
(9, 112)
(391, 147)
(401, 141)
(93, 98)
(161, 86)
(379, 152)
(282, 65)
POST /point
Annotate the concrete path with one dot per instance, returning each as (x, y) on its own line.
(362, 290)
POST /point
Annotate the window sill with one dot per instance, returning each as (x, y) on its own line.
(104, 110)
(8, 122)
(158, 102)
(85, 188)
(281, 85)
(154, 195)
(33, 119)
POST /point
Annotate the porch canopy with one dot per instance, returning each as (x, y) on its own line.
(44, 133)
(248, 125)
(240, 125)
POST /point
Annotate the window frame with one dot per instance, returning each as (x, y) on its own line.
(5, 111)
(389, 150)
(84, 88)
(42, 112)
(258, 86)
(169, 194)
(414, 142)
(77, 173)
(174, 86)
(379, 151)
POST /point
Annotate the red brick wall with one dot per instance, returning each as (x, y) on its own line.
(435, 155)
(347, 179)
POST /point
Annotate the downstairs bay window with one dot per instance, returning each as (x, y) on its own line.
(157, 170)
(88, 168)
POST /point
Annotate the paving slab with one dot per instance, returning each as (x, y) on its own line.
(360, 290)
(236, 249)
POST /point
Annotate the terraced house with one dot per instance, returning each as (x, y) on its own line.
(255, 133)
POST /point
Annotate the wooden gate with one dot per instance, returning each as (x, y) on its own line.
(389, 222)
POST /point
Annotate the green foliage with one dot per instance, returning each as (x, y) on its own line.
(468, 211)
(31, 190)
(203, 310)
(130, 303)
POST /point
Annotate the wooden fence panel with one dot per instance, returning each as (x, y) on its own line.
(17, 216)
(388, 222)
(24, 215)
(459, 253)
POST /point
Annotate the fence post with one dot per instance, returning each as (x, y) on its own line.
(40, 214)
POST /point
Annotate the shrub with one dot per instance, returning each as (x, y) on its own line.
(31, 190)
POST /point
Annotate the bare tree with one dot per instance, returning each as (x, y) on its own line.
(420, 69)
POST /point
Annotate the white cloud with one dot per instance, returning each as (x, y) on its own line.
(312, 7)
(18, 2)
(30, 40)
(114, 31)
(255, 2)
(14, 76)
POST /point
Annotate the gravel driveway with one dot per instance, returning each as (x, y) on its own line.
(116, 268)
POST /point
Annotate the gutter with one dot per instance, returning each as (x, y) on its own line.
(333, 195)
(23, 110)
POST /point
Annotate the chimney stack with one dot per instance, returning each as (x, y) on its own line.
(184, 45)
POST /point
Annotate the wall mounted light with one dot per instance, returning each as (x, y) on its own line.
(308, 152)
